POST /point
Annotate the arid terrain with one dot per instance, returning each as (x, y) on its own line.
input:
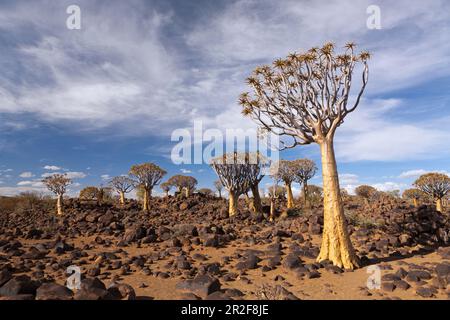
(188, 248)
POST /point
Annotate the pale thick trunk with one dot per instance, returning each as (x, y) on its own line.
(232, 209)
(59, 204)
(122, 197)
(290, 196)
(167, 193)
(415, 202)
(147, 195)
(256, 199)
(439, 205)
(186, 192)
(336, 245)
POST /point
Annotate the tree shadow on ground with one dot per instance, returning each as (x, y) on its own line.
(395, 256)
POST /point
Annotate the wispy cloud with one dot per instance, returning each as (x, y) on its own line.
(69, 174)
(370, 134)
(54, 168)
(418, 172)
(105, 177)
(26, 174)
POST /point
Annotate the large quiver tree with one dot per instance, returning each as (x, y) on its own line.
(304, 98)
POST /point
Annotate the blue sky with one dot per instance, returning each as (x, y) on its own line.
(94, 101)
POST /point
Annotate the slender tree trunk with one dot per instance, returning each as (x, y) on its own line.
(336, 245)
(167, 193)
(290, 196)
(147, 194)
(415, 202)
(220, 194)
(305, 193)
(186, 192)
(59, 204)
(233, 201)
(122, 197)
(439, 206)
(256, 199)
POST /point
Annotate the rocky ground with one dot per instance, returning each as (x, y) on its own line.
(190, 249)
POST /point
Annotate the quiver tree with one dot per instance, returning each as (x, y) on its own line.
(219, 187)
(305, 169)
(315, 193)
(344, 194)
(89, 193)
(188, 184)
(176, 181)
(104, 193)
(413, 194)
(185, 183)
(166, 186)
(257, 165)
(366, 192)
(148, 176)
(57, 184)
(304, 98)
(436, 185)
(237, 172)
(284, 170)
(122, 185)
(277, 192)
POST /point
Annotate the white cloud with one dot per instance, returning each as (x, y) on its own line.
(368, 134)
(13, 191)
(348, 178)
(69, 174)
(53, 168)
(26, 174)
(93, 76)
(185, 171)
(389, 186)
(32, 183)
(418, 172)
(405, 51)
(105, 177)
